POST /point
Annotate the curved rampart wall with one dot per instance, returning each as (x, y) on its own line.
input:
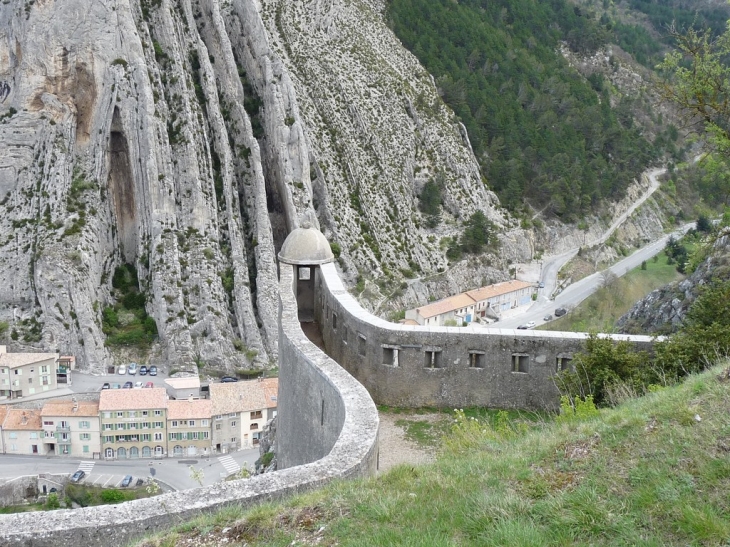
(416, 366)
(347, 438)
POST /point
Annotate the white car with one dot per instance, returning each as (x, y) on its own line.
(122, 369)
(132, 370)
(530, 324)
(138, 385)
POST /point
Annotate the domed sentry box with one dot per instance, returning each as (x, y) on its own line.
(306, 248)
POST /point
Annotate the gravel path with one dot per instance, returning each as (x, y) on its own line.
(395, 448)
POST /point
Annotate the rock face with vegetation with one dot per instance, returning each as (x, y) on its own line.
(663, 311)
(156, 153)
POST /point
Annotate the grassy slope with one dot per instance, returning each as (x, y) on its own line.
(601, 310)
(646, 473)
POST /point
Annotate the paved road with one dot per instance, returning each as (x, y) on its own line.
(172, 472)
(575, 293)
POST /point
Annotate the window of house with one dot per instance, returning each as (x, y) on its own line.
(86, 449)
(44, 369)
(205, 434)
(84, 424)
(47, 423)
(13, 435)
(217, 427)
(107, 427)
(170, 436)
(233, 439)
(16, 371)
(132, 414)
(120, 414)
(390, 355)
(85, 437)
(108, 438)
(158, 436)
(145, 413)
(361, 344)
(433, 358)
(256, 415)
(158, 413)
(30, 380)
(205, 423)
(254, 426)
(107, 414)
(563, 362)
(520, 362)
(191, 423)
(158, 424)
(476, 359)
(174, 423)
(233, 422)
(45, 381)
(14, 447)
(33, 435)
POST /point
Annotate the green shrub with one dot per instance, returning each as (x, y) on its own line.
(113, 495)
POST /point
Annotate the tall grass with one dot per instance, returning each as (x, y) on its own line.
(654, 471)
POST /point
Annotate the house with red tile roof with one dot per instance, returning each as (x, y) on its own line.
(72, 428)
(188, 427)
(24, 374)
(22, 432)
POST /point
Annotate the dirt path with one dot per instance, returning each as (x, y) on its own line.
(395, 448)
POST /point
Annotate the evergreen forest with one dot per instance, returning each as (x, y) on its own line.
(543, 134)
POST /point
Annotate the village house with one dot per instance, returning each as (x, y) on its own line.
(183, 388)
(133, 423)
(72, 428)
(24, 374)
(188, 427)
(485, 302)
(240, 412)
(22, 432)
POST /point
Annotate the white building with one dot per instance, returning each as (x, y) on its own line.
(23, 374)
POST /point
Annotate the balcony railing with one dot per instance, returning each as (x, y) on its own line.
(66, 428)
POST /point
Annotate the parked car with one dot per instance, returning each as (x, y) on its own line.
(523, 327)
(149, 384)
(530, 324)
(548, 317)
(127, 385)
(137, 385)
(76, 477)
(132, 368)
(560, 311)
(122, 369)
(106, 386)
(116, 386)
(227, 379)
(126, 481)
(143, 370)
(541, 285)
(152, 371)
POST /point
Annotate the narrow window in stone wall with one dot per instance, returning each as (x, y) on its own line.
(390, 356)
(563, 362)
(334, 321)
(476, 359)
(520, 362)
(344, 335)
(304, 273)
(361, 347)
(432, 358)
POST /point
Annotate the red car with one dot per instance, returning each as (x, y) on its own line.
(149, 384)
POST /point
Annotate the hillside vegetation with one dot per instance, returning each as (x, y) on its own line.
(653, 471)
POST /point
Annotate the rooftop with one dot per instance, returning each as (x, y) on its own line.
(244, 396)
(184, 409)
(184, 383)
(490, 291)
(446, 305)
(133, 399)
(22, 419)
(13, 360)
(66, 408)
(306, 245)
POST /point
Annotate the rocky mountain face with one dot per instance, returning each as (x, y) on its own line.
(663, 310)
(186, 137)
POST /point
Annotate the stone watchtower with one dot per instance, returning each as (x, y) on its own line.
(305, 248)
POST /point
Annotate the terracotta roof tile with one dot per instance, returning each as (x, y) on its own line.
(243, 396)
(490, 291)
(446, 305)
(66, 408)
(22, 420)
(132, 399)
(12, 360)
(185, 410)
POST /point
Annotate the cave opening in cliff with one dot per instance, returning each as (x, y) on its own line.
(277, 216)
(121, 188)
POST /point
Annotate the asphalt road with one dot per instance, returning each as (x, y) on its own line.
(171, 472)
(85, 383)
(575, 293)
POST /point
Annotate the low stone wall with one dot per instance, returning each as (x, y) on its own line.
(454, 367)
(347, 437)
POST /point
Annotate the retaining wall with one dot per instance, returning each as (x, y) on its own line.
(454, 367)
(345, 440)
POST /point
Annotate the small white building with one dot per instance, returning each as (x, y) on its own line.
(24, 374)
(22, 432)
(465, 307)
(72, 429)
(183, 388)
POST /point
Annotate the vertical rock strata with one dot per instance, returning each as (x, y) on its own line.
(186, 137)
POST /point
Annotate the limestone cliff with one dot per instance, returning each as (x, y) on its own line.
(186, 137)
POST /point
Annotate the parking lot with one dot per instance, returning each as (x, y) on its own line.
(84, 383)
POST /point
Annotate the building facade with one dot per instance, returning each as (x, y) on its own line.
(72, 428)
(133, 423)
(188, 427)
(24, 374)
(22, 432)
